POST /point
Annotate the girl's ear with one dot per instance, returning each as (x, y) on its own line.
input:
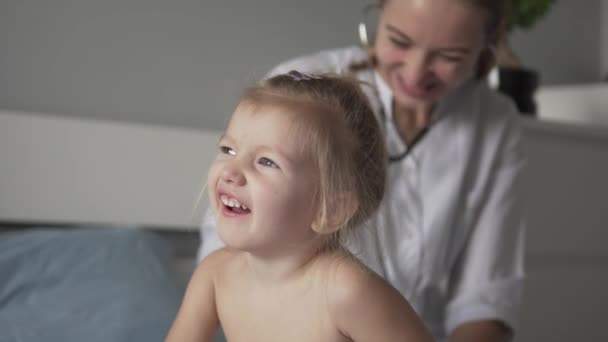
(342, 207)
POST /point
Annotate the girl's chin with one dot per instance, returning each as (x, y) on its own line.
(232, 239)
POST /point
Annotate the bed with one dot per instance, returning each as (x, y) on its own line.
(98, 226)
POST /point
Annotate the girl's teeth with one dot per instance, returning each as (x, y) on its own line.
(231, 202)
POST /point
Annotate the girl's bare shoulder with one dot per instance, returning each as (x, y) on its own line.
(344, 272)
(219, 262)
(365, 307)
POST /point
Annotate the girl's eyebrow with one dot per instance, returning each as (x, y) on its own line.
(458, 49)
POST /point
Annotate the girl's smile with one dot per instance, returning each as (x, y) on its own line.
(232, 206)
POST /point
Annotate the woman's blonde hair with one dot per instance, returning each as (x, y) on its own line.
(339, 130)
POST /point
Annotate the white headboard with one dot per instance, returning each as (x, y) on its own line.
(66, 170)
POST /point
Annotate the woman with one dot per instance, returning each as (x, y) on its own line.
(449, 233)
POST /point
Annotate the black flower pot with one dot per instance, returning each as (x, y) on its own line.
(520, 84)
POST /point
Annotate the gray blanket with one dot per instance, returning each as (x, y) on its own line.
(86, 285)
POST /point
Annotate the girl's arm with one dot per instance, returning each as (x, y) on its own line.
(197, 318)
(364, 307)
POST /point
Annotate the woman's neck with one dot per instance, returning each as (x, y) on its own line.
(411, 121)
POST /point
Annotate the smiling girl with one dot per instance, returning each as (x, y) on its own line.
(301, 164)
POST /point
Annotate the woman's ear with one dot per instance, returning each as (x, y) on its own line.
(342, 207)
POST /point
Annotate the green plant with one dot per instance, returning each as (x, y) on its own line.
(525, 13)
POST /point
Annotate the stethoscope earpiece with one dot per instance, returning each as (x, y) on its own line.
(363, 39)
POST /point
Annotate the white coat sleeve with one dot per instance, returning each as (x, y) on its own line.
(210, 241)
(487, 282)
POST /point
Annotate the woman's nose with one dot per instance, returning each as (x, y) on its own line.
(417, 69)
(233, 174)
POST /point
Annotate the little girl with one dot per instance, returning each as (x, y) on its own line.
(301, 163)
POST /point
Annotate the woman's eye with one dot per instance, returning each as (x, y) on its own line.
(451, 58)
(267, 162)
(227, 150)
(399, 43)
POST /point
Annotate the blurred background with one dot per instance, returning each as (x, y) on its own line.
(183, 62)
(177, 67)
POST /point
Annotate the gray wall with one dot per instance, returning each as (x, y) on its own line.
(183, 62)
(565, 47)
(179, 62)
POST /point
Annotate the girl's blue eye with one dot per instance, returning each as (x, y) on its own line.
(267, 162)
(227, 150)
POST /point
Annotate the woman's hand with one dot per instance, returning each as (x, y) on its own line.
(481, 331)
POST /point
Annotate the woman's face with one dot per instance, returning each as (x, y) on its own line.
(426, 48)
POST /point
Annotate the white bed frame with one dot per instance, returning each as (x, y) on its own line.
(66, 170)
(57, 169)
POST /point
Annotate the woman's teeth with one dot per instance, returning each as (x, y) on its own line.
(232, 202)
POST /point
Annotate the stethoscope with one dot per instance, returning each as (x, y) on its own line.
(365, 42)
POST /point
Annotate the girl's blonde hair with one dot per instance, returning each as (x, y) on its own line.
(339, 130)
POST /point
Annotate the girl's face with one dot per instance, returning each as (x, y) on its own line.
(261, 186)
(426, 48)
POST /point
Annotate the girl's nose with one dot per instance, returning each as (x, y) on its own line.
(233, 175)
